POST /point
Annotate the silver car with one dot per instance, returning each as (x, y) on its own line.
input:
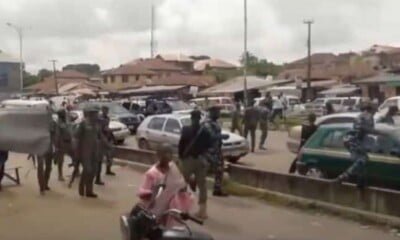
(158, 129)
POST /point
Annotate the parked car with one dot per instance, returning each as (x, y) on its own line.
(158, 129)
(226, 104)
(325, 156)
(119, 130)
(392, 101)
(137, 107)
(340, 104)
(116, 113)
(294, 133)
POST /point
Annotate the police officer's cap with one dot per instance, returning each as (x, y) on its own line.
(195, 114)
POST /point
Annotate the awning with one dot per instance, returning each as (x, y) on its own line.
(388, 78)
(340, 91)
(151, 89)
(318, 84)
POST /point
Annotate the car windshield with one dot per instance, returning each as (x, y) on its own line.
(179, 105)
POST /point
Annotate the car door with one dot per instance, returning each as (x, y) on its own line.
(383, 167)
(154, 132)
(172, 132)
(334, 158)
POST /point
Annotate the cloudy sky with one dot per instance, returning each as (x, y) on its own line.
(111, 32)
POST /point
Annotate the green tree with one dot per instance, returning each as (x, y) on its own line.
(30, 79)
(43, 73)
(260, 67)
(89, 69)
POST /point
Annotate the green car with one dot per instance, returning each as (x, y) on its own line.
(325, 156)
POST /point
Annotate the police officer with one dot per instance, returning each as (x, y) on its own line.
(263, 114)
(354, 142)
(63, 142)
(105, 141)
(236, 119)
(88, 147)
(44, 162)
(194, 144)
(250, 121)
(215, 154)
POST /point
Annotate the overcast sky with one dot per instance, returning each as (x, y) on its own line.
(111, 32)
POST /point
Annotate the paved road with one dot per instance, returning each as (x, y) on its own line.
(63, 215)
(276, 158)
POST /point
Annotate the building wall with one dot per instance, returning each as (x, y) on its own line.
(9, 77)
(118, 81)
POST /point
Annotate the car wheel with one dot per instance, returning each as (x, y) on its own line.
(143, 144)
(314, 172)
(233, 159)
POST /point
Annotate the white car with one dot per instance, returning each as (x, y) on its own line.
(158, 129)
(294, 136)
(119, 130)
(392, 101)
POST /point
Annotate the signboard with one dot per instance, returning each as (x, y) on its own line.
(193, 90)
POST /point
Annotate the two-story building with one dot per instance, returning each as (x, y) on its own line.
(9, 73)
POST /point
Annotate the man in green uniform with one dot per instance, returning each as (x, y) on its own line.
(236, 119)
(88, 147)
(263, 115)
(63, 142)
(250, 121)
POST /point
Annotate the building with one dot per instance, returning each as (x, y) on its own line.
(212, 64)
(380, 86)
(180, 60)
(68, 81)
(9, 73)
(152, 72)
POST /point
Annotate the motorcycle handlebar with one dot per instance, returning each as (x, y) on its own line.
(192, 218)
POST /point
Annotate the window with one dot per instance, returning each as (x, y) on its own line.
(349, 102)
(156, 123)
(172, 126)
(112, 79)
(338, 120)
(105, 80)
(124, 78)
(137, 77)
(335, 101)
(334, 139)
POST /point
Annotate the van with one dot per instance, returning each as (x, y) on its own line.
(226, 104)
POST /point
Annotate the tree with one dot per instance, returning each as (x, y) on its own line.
(259, 67)
(30, 79)
(89, 69)
(43, 73)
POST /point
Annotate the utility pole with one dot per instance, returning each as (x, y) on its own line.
(309, 93)
(55, 74)
(245, 94)
(19, 31)
(152, 32)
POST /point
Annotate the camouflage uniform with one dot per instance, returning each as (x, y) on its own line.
(88, 148)
(215, 153)
(354, 142)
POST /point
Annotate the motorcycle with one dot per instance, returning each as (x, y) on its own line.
(141, 224)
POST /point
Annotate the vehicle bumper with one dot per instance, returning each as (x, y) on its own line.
(235, 152)
(121, 134)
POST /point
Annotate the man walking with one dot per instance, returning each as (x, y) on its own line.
(215, 153)
(63, 142)
(264, 113)
(250, 121)
(278, 107)
(88, 147)
(104, 122)
(193, 146)
(236, 119)
(354, 142)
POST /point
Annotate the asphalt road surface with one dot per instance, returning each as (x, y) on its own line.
(276, 158)
(63, 215)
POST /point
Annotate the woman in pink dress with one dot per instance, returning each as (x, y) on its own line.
(174, 194)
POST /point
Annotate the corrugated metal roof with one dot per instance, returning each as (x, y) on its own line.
(340, 90)
(380, 78)
(4, 57)
(237, 85)
(152, 89)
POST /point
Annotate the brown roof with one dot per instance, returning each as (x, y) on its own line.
(316, 58)
(154, 64)
(175, 58)
(71, 74)
(129, 70)
(201, 65)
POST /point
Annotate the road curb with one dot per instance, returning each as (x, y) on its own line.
(281, 199)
